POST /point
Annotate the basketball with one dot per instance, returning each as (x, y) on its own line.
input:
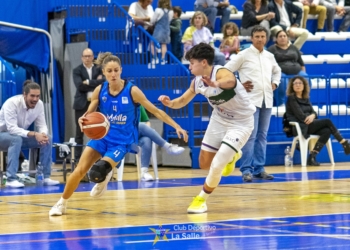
(96, 125)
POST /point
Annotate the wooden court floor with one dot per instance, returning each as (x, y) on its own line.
(302, 208)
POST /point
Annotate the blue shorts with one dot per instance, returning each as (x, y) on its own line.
(114, 151)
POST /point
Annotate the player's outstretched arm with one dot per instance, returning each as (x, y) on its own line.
(179, 102)
(139, 97)
(224, 80)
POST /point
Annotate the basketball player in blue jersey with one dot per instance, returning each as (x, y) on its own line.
(231, 122)
(119, 101)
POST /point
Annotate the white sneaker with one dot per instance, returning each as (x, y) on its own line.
(58, 209)
(145, 176)
(174, 149)
(14, 184)
(155, 61)
(49, 182)
(100, 188)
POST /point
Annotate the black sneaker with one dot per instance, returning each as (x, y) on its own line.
(247, 177)
(346, 147)
(264, 176)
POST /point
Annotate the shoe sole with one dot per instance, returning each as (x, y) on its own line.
(247, 180)
(46, 184)
(189, 211)
(56, 214)
(232, 164)
(14, 186)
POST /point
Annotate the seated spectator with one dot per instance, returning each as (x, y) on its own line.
(339, 9)
(212, 9)
(16, 116)
(287, 22)
(161, 22)
(147, 136)
(142, 12)
(256, 12)
(344, 26)
(230, 42)
(176, 33)
(299, 109)
(197, 33)
(313, 7)
(289, 59)
(301, 6)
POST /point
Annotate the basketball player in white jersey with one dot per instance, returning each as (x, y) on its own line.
(231, 122)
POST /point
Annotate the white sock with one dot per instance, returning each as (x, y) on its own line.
(167, 145)
(63, 201)
(144, 170)
(204, 195)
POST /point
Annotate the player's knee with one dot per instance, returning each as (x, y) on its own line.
(99, 171)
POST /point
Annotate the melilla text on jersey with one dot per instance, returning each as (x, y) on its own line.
(117, 119)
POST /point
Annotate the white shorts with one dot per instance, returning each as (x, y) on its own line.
(234, 135)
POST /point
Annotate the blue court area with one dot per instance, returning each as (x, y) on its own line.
(323, 231)
(306, 232)
(168, 183)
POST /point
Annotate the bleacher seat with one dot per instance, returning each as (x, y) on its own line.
(333, 59)
(311, 59)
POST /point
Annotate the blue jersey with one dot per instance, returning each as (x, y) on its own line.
(122, 113)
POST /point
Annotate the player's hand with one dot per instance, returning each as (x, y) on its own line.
(209, 82)
(81, 120)
(273, 86)
(248, 85)
(181, 133)
(165, 100)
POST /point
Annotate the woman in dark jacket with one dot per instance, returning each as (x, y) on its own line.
(255, 12)
(299, 109)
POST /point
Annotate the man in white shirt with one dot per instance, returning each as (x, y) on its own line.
(16, 115)
(260, 74)
(288, 17)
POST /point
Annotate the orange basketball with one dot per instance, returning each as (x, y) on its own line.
(96, 125)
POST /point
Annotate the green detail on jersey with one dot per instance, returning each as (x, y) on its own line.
(224, 96)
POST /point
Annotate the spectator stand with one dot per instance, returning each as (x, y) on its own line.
(108, 27)
(8, 85)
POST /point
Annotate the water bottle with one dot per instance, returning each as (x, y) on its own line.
(39, 176)
(25, 166)
(288, 160)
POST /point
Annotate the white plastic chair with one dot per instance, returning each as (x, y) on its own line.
(120, 170)
(308, 144)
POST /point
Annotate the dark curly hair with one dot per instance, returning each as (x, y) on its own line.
(200, 52)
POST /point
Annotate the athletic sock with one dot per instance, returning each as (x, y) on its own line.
(204, 194)
(63, 201)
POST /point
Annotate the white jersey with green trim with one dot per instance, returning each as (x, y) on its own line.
(229, 105)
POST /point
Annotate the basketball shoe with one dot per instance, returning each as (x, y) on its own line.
(197, 206)
(173, 149)
(231, 165)
(100, 188)
(58, 209)
(145, 176)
